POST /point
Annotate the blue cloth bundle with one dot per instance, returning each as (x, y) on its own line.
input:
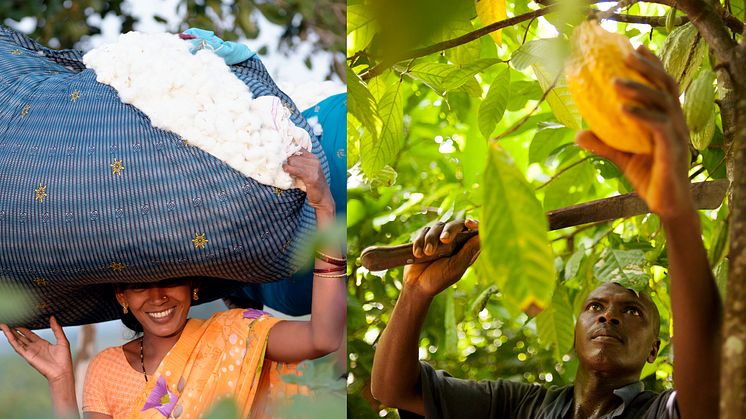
(92, 195)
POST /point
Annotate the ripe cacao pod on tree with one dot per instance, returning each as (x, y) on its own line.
(597, 59)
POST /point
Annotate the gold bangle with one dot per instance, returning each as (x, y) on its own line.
(331, 259)
(337, 276)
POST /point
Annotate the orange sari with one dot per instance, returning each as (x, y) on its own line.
(215, 359)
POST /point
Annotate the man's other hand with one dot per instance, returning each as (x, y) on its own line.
(431, 278)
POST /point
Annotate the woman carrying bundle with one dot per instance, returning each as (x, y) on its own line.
(180, 366)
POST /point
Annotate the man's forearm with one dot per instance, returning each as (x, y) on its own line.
(396, 367)
(697, 313)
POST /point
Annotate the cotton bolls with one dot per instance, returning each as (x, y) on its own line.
(198, 98)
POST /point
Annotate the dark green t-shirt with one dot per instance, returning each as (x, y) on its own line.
(453, 398)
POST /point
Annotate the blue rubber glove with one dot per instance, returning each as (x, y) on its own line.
(231, 52)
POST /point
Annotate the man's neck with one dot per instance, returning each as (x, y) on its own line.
(593, 392)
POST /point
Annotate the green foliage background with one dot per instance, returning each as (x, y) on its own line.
(485, 131)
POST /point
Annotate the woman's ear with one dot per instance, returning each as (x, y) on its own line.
(119, 294)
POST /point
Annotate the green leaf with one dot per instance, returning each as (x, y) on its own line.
(374, 155)
(432, 75)
(484, 297)
(360, 27)
(571, 186)
(492, 108)
(559, 99)
(462, 54)
(573, 263)
(549, 52)
(521, 92)
(555, 325)
(517, 255)
(354, 133)
(361, 104)
(625, 267)
(546, 140)
(460, 76)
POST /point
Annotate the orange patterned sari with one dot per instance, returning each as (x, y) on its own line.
(215, 359)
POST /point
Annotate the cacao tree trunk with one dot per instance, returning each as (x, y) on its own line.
(733, 370)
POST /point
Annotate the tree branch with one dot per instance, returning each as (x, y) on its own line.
(451, 43)
(706, 195)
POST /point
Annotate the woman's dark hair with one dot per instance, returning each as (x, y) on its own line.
(131, 322)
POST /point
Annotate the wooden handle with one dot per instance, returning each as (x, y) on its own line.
(379, 258)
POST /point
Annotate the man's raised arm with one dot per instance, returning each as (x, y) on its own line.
(396, 368)
(661, 179)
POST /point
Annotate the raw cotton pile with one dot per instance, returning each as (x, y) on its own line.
(197, 97)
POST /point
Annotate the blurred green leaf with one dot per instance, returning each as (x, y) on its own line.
(492, 108)
(516, 251)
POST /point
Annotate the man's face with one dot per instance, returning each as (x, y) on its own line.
(616, 330)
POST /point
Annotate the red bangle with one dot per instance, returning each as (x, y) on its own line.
(329, 270)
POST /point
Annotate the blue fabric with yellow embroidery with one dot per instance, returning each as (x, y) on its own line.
(91, 194)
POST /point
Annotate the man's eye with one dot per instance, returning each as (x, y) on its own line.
(633, 311)
(594, 307)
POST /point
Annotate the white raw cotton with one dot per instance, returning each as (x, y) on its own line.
(198, 98)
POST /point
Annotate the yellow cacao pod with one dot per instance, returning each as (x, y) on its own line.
(597, 59)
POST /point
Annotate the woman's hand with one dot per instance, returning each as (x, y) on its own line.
(660, 178)
(429, 279)
(53, 361)
(305, 168)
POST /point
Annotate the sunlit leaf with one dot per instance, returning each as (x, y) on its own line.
(555, 325)
(463, 74)
(360, 27)
(361, 104)
(546, 140)
(376, 154)
(521, 91)
(625, 267)
(481, 301)
(570, 186)
(462, 54)
(559, 98)
(549, 52)
(573, 263)
(514, 236)
(432, 75)
(492, 108)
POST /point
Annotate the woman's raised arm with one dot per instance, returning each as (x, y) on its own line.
(292, 341)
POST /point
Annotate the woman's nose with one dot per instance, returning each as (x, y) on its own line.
(157, 294)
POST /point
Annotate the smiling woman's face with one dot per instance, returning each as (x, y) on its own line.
(160, 308)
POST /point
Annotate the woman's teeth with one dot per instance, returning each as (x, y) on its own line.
(161, 314)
